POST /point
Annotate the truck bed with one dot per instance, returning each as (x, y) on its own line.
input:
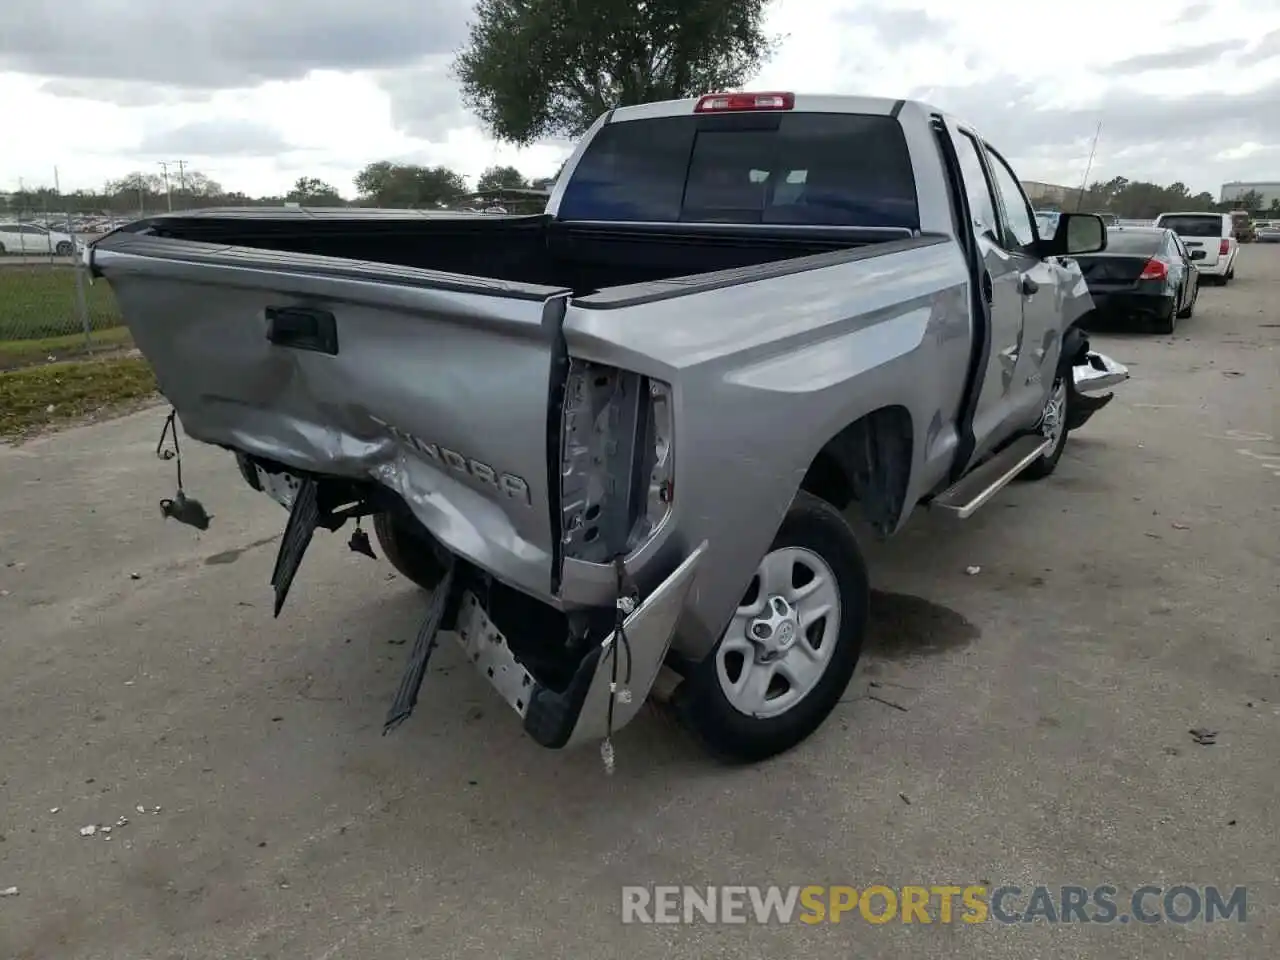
(535, 250)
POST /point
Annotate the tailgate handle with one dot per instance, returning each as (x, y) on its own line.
(303, 328)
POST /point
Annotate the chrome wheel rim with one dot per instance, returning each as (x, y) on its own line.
(782, 638)
(1055, 410)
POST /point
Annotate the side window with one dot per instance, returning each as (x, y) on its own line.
(982, 205)
(1018, 231)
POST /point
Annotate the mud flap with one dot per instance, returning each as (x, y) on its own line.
(416, 669)
(304, 517)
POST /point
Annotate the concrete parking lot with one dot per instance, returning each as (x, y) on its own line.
(1027, 724)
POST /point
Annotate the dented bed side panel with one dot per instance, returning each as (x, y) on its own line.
(439, 394)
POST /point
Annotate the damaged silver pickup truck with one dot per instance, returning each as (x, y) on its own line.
(625, 437)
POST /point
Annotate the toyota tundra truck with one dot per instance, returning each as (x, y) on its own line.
(627, 442)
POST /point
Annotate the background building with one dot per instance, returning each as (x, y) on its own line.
(1047, 194)
(1269, 190)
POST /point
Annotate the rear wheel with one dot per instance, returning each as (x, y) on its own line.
(409, 548)
(64, 249)
(1168, 322)
(792, 645)
(1189, 309)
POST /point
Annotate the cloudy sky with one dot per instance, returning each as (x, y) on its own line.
(256, 93)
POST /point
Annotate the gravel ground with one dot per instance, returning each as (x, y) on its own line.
(1029, 722)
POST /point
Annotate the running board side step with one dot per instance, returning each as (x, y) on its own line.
(963, 499)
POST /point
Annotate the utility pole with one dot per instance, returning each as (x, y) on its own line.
(168, 193)
(182, 179)
(1084, 184)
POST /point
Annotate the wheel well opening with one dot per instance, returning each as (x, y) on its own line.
(866, 466)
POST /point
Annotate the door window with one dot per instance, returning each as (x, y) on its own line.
(982, 205)
(1019, 234)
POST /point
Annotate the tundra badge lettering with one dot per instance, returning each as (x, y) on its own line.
(507, 484)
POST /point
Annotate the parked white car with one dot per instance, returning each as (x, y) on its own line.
(1210, 232)
(32, 239)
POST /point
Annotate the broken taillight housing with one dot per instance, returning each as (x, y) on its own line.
(616, 478)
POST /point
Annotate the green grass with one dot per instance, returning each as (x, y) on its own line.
(21, 353)
(38, 302)
(73, 390)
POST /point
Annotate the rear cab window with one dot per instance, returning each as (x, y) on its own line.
(1132, 243)
(818, 169)
(1193, 225)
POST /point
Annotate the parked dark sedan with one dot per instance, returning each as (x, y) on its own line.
(1145, 274)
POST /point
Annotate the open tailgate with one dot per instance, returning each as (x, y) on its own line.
(436, 385)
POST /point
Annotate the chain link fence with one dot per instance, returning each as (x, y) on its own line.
(49, 311)
(49, 308)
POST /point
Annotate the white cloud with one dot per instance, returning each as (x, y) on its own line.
(1184, 91)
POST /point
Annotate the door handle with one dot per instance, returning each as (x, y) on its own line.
(1027, 286)
(303, 328)
(988, 293)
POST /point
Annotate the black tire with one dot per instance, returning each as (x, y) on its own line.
(1167, 323)
(1047, 462)
(64, 249)
(409, 548)
(1185, 314)
(3, 251)
(701, 703)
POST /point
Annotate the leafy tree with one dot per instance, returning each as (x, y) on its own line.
(500, 178)
(193, 183)
(386, 184)
(314, 192)
(541, 68)
(137, 182)
(147, 191)
(1141, 200)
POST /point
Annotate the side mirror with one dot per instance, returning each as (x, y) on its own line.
(1198, 254)
(1077, 234)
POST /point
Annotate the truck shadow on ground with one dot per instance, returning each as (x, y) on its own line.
(901, 626)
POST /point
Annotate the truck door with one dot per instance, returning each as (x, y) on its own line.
(1006, 268)
(1043, 311)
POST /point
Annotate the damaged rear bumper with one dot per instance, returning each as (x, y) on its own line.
(1098, 373)
(1095, 374)
(580, 712)
(618, 670)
